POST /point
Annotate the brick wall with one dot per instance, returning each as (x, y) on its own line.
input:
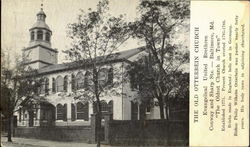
(148, 132)
(69, 133)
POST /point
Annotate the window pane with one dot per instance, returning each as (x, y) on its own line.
(103, 77)
(59, 84)
(59, 110)
(42, 90)
(39, 35)
(82, 111)
(79, 81)
(47, 37)
(104, 106)
(87, 80)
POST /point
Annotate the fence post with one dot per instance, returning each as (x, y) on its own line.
(107, 118)
(93, 129)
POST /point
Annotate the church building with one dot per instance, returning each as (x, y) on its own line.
(56, 104)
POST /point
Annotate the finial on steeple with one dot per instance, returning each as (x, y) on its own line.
(41, 15)
(42, 5)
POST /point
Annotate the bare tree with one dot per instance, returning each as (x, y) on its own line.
(15, 86)
(95, 37)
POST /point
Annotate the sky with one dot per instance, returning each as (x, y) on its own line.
(18, 16)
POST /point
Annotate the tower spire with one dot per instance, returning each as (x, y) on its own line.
(41, 4)
(41, 15)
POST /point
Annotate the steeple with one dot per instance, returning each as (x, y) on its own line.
(40, 32)
(41, 15)
(39, 52)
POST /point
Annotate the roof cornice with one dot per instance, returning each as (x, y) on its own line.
(48, 48)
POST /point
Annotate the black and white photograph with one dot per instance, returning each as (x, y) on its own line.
(95, 73)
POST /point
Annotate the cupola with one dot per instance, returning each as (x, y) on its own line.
(40, 32)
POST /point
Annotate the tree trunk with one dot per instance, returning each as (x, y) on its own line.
(167, 110)
(9, 128)
(98, 107)
(161, 105)
(142, 112)
(98, 129)
(98, 121)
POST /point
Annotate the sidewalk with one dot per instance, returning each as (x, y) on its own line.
(24, 142)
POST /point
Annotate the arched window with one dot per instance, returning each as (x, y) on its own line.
(73, 112)
(73, 82)
(46, 86)
(104, 106)
(53, 85)
(65, 83)
(47, 36)
(32, 35)
(87, 79)
(82, 111)
(59, 84)
(39, 35)
(103, 77)
(59, 112)
(79, 81)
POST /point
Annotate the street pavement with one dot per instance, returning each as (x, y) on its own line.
(25, 142)
(28, 142)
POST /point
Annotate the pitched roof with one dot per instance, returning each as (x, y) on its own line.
(116, 57)
(34, 99)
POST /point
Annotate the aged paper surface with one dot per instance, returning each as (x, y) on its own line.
(219, 57)
(219, 73)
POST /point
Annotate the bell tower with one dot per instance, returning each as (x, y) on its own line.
(39, 52)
